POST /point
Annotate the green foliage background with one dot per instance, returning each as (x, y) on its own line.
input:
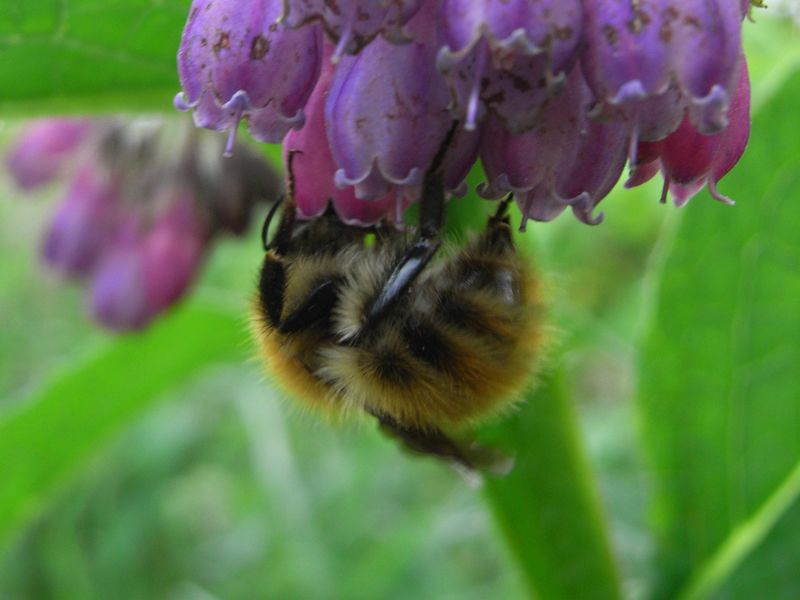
(657, 458)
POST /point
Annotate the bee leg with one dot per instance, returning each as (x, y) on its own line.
(431, 206)
(498, 234)
(431, 221)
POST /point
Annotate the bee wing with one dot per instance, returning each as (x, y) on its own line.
(407, 270)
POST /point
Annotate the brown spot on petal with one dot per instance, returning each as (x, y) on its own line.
(498, 98)
(640, 20)
(259, 47)
(223, 43)
(520, 83)
(693, 21)
(611, 35)
(563, 33)
(671, 14)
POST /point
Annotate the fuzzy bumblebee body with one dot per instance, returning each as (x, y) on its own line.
(453, 349)
(425, 340)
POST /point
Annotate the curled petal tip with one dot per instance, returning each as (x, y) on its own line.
(181, 102)
(492, 190)
(712, 189)
(340, 179)
(582, 207)
(642, 173)
(709, 114)
(239, 102)
(628, 92)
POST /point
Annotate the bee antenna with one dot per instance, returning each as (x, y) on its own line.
(265, 227)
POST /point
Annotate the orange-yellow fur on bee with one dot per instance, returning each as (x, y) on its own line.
(455, 349)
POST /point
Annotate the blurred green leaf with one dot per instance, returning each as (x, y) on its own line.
(720, 391)
(84, 55)
(547, 507)
(50, 435)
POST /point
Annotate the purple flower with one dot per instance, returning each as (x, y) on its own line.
(399, 72)
(118, 298)
(506, 56)
(80, 230)
(148, 269)
(652, 59)
(313, 167)
(707, 44)
(236, 61)
(387, 111)
(44, 149)
(566, 161)
(142, 209)
(173, 250)
(690, 160)
(352, 24)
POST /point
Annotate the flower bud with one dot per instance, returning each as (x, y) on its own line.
(83, 223)
(506, 56)
(148, 270)
(118, 298)
(43, 149)
(352, 24)
(237, 61)
(172, 252)
(387, 111)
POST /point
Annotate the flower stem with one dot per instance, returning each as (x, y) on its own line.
(548, 508)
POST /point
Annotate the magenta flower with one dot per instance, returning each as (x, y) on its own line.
(44, 150)
(653, 60)
(142, 209)
(236, 61)
(313, 167)
(690, 160)
(555, 94)
(147, 271)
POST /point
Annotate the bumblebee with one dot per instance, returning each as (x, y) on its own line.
(427, 341)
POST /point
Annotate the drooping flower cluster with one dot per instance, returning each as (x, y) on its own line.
(552, 95)
(145, 201)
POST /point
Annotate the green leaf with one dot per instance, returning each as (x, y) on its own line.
(84, 55)
(547, 507)
(46, 440)
(720, 392)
